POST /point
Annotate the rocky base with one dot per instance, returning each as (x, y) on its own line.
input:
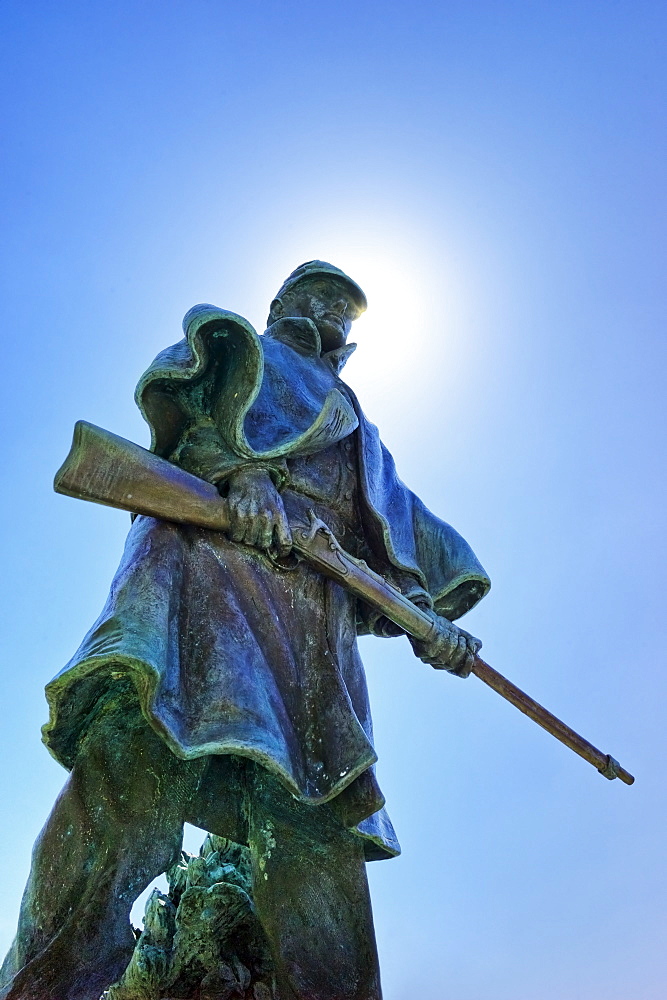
(202, 941)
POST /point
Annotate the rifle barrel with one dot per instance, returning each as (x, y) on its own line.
(604, 762)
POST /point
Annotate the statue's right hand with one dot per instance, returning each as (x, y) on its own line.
(256, 513)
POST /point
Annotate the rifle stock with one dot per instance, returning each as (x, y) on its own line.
(110, 470)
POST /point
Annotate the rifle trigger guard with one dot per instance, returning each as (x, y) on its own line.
(611, 768)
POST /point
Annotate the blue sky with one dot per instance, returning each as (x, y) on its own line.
(493, 175)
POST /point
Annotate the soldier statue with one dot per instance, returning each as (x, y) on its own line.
(222, 685)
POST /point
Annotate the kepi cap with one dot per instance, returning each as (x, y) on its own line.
(320, 268)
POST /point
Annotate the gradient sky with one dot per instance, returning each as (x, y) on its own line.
(493, 175)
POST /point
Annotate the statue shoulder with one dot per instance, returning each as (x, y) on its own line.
(177, 382)
(205, 321)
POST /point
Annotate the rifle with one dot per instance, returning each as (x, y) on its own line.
(110, 470)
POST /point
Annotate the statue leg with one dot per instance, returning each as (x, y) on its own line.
(116, 825)
(311, 894)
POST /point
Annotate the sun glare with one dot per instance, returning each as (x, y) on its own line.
(412, 336)
(410, 330)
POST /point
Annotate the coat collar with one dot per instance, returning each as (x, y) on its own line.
(301, 334)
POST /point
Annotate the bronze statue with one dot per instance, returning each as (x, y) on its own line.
(222, 684)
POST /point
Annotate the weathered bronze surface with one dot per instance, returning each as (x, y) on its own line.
(222, 684)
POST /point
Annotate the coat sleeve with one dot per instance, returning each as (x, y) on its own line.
(412, 539)
(370, 621)
(202, 451)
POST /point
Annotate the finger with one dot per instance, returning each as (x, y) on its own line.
(459, 653)
(264, 530)
(474, 646)
(283, 535)
(472, 640)
(237, 525)
(252, 532)
(247, 529)
(438, 652)
(469, 662)
(249, 515)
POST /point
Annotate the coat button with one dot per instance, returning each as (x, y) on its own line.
(347, 495)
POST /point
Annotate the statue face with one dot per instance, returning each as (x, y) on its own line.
(328, 303)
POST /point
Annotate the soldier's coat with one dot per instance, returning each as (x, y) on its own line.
(229, 653)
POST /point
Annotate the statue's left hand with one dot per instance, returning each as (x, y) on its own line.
(256, 513)
(450, 648)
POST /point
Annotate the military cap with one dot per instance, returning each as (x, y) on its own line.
(320, 268)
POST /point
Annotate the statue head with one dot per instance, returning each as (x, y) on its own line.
(324, 294)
